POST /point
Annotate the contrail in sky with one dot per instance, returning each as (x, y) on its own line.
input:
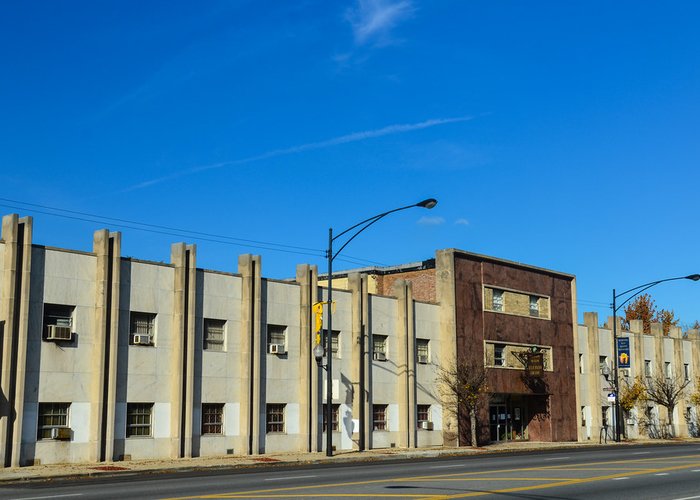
(343, 139)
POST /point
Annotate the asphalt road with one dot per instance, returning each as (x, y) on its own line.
(639, 472)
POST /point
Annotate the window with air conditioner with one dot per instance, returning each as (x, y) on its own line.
(423, 417)
(379, 347)
(276, 339)
(58, 322)
(53, 421)
(142, 328)
(423, 351)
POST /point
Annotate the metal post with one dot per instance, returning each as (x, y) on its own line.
(329, 351)
(617, 380)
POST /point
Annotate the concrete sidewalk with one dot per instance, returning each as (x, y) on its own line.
(56, 471)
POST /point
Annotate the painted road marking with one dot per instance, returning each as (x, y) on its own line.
(687, 498)
(305, 491)
(620, 478)
(642, 453)
(662, 474)
(558, 458)
(447, 466)
(287, 478)
(54, 496)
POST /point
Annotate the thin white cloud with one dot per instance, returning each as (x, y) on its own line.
(373, 20)
(343, 139)
(431, 221)
(462, 222)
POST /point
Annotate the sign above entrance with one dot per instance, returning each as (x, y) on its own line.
(535, 364)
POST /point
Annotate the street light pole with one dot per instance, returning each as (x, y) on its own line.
(330, 255)
(637, 289)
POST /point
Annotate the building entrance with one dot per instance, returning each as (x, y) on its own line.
(507, 421)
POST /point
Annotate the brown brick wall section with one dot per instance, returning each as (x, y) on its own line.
(423, 283)
(552, 407)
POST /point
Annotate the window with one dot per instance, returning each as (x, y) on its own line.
(335, 342)
(379, 347)
(423, 351)
(497, 301)
(336, 410)
(667, 369)
(379, 417)
(138, 419)
(212, 418)
(581, 363)
(214, 334)
(58, 315)
(51, 415)
(275, 417)
(142, 328)
(277, 335)
(498, 355)
(423, 414)
(604, 415)
(647, 368)
(58, 322)
(583, 416)
(534, 306)
(686, 371)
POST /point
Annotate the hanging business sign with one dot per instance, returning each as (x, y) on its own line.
(535, 365)
(623, 352)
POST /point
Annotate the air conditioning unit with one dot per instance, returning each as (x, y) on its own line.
(276, 349)
(423, 359)
(428, 426)
(142, 339)
(380, 356)
(60, 433)
(59, 333)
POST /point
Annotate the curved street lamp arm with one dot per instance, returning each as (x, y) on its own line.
(371, 220)
(647, 286)
(368, 222)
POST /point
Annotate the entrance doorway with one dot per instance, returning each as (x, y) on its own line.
(507, 421)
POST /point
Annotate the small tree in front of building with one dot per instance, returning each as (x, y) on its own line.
(667, 392)
(464, 391)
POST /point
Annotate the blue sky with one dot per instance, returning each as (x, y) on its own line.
(559, 134)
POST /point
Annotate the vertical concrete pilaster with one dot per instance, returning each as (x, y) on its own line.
(592, 375)
(406, 363)
(636, 332)
(676, 335)
(14, 313)
(107, 249)
(445, 293)
(307, 277)
(251, 305)
(183, 257)
(361, 364)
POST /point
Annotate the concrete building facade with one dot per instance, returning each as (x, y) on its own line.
(107, 358)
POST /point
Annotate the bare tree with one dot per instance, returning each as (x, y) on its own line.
(463, 391)
(665, 391)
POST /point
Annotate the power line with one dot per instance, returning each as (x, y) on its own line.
(173, 231)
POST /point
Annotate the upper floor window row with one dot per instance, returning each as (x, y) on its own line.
(516, 303)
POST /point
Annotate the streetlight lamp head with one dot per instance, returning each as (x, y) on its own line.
(694, 277)
(429, 203)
